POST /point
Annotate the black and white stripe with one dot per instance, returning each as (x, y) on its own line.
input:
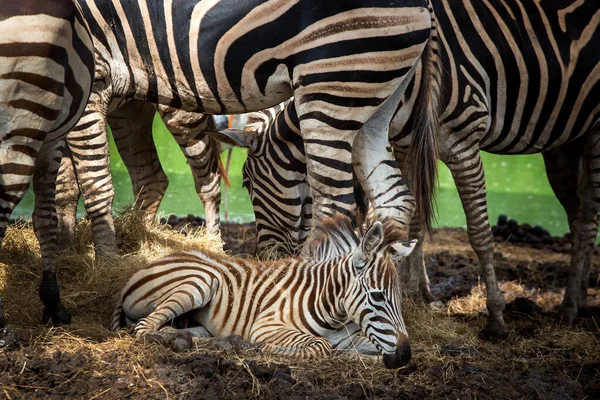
(342, 60)
(46, 73)
(515, 77)
(131, 125)
(301, 306)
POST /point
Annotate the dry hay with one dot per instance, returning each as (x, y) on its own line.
(88, 285)
(449, 359)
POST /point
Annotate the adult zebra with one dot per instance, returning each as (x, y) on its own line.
(343, 61)
(46, 73)
(498, 95)
(300, 306)
(131, 125)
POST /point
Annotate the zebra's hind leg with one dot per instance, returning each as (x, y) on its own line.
(175, 304)
(131, 126)
(467, 172)
(88, 142)
(291, 342)
(412, 269)
(45, 224)
(202, 155)
(574, 174)
(67, 196)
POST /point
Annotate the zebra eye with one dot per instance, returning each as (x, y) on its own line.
(377, 296)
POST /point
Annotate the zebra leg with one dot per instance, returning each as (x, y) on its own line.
(88, 143)
(45, 225)
(351, 338)
(416, 281)
(175, 304)
(202, 154)
(412, 270)
(67, 197)
(292, 342)
(467, 172)
(571, 170)
(131, 126)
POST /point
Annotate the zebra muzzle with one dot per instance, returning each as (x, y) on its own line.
(401, 356)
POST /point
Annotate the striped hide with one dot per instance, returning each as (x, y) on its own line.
(297, 306)
(46, 73)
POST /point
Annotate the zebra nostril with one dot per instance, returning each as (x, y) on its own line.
(401, 357)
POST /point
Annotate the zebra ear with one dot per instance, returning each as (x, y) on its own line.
(372, 239)
(403, 249)
(235, 137)
(370, 242)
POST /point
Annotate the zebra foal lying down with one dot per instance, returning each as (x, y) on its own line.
(297, 306)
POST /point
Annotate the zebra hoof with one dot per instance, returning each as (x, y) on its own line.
(182, 342)
(57, 316)
(9, 340)
(494, 332)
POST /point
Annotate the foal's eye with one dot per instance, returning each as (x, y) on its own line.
(377, 296)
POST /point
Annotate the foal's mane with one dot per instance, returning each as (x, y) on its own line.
(334, 237)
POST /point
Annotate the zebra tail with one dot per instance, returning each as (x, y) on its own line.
(215, 150)
(424, 148)
(117, 317)
(222, 170)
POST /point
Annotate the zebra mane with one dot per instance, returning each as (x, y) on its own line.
(334, 237)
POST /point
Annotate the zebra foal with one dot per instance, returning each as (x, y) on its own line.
(46, 74)
(298, 306)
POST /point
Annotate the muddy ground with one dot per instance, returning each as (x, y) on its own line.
(540, 360)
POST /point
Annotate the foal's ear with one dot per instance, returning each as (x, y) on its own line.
(403, 249)
(372, 240)
(370, 243)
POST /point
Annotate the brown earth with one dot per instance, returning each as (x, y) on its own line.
(540, 360)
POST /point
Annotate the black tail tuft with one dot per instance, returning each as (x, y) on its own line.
(424, 149)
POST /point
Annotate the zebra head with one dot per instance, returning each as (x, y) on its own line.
(374, 297)
(274, 174)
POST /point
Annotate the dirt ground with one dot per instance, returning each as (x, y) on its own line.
(540, 360)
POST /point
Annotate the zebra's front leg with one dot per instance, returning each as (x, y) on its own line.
(467, 172)
(131, 126)
(350, 338)
(291, 342)
(67, 197)
(45, 225)
(202, 155)
(88, 143)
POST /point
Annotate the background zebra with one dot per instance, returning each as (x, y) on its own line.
(292, 306)
(131, 125)
(343, 61)
(46, 71)
(479, 81)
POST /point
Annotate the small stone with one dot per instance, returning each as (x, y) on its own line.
(437, 305)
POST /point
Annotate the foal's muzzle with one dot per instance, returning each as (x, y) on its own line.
(401, 356)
